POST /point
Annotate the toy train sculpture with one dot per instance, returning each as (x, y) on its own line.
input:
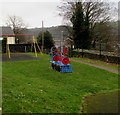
(59, 61)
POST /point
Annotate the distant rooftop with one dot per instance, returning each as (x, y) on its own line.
(6, 30)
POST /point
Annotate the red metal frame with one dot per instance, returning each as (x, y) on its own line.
(16, 35)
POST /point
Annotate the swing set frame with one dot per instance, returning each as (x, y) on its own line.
(34, 42)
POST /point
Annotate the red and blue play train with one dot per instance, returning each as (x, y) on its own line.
(59, 61)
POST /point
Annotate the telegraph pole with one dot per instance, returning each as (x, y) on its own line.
(61, 41)
(42, 36)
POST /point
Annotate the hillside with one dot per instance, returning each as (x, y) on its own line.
(58, 36)
(55, 31)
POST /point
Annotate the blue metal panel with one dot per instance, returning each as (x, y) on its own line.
(64, 68)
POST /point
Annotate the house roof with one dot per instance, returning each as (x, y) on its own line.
(6, 30)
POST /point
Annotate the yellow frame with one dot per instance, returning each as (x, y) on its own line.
(7, 48)
(34, 44)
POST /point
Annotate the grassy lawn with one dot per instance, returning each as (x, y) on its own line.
(109, 65)
(102, 103)
(33, 87)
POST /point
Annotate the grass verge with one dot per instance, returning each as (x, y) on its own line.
(101, 63)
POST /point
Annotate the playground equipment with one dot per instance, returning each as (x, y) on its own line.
(59, 61)
(34, 42)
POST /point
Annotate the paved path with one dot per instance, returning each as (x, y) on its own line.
(18, 57)
(98, 66)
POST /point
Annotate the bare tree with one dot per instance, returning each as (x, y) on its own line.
(95, 12)
(18, 26)
(16, 23)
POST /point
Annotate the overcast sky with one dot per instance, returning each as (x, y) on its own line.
(33, 11)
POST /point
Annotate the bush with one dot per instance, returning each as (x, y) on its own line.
(106, 58)
(4, 45)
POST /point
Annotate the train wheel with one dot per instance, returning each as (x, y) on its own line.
(53, 66)
(58, 68)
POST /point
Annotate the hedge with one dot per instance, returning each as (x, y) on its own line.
(106, 58)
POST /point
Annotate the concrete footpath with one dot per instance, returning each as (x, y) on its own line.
(98, 66)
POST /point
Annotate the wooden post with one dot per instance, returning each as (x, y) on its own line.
(25, 49)
(38, 46)
(7, 48)
(33, 38)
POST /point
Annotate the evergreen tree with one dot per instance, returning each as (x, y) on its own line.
(4, 45)
(48, 39)
(88, 14)
(81, 33)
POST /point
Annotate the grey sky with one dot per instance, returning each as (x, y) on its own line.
(33, 11)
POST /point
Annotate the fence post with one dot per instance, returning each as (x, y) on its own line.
(100, 48)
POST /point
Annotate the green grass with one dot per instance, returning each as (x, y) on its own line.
(105, 64)
(33, 87)
(101, 103)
